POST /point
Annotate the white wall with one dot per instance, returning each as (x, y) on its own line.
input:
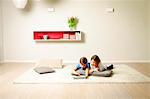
(1, 35)
(149, 28)
(118, 36)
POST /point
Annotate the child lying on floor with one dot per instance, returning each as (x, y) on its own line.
(82, 68)
(97, 69)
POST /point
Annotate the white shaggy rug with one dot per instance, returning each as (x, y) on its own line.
(122, 74)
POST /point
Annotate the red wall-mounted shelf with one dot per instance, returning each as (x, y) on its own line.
(57, 36)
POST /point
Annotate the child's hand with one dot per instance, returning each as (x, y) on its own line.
(77, 74)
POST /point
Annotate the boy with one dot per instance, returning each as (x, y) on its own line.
(82, 68)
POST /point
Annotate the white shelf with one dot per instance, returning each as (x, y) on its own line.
(58, 40)
(68, 36)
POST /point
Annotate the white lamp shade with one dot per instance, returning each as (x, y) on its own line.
(20, 3)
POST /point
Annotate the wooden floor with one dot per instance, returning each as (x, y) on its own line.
(10, 71)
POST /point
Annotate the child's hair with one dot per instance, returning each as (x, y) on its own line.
(83, 60)
(96, 59)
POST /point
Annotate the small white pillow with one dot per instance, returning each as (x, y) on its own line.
(43, 70)
(52, 63)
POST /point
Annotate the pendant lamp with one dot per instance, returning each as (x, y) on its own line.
(20, 3)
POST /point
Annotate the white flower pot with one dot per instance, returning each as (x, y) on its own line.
(45, 37)
(20, 3)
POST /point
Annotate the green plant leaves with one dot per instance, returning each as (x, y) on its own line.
(72, 22)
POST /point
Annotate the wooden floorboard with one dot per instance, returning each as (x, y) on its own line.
(10, 71)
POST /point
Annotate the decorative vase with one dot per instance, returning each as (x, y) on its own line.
(45, 37)
(20, 3)
(72, 28)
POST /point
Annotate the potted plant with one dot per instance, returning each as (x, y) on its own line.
(72, 22)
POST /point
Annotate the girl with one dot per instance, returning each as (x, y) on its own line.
(97, 69)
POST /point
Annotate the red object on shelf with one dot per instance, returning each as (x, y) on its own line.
(55, 35)
(51, 35)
